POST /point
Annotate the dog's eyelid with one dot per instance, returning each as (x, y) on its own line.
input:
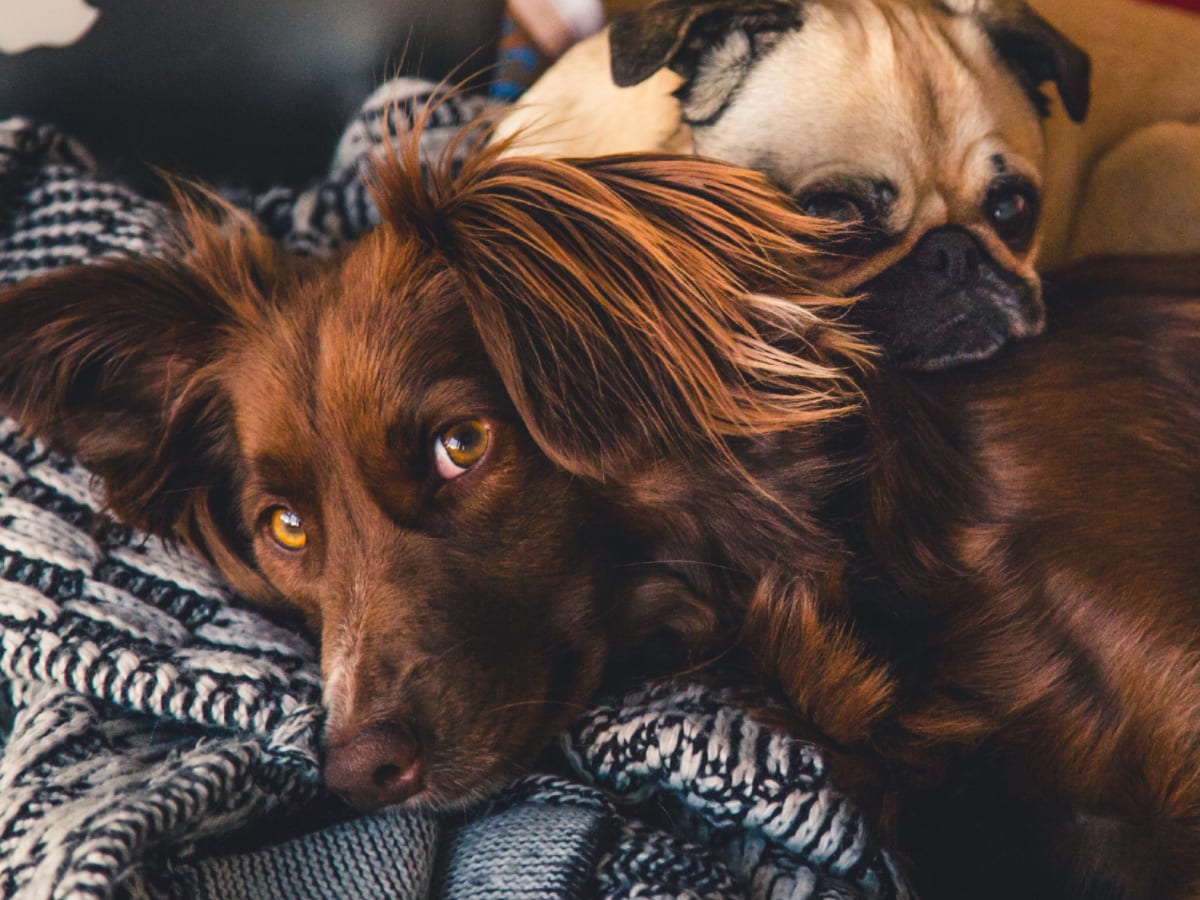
(837, 206)
(1013, 181)
(874, 196)
(263, 496)
(447, 421)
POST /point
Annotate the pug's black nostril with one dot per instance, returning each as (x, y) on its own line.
(950, 254)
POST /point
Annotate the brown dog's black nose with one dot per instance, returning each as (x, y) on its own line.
(378, 766)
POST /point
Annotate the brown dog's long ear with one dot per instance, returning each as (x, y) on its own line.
(636, 307)
(680, 33)
(108, 362)
(1038, 53)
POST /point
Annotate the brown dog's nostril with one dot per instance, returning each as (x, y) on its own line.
(378, 766)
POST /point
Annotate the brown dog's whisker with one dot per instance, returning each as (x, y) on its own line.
(539, 703)
(711, 662)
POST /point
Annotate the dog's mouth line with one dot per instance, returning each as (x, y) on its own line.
(939, 330)
(457, 796)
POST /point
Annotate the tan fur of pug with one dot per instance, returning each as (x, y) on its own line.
(1126, 179)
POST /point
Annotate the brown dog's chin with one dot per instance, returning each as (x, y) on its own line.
(477, 773)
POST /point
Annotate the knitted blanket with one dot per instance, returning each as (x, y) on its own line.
(161, 737)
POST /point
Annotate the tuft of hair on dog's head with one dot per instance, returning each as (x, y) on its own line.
(634, 305)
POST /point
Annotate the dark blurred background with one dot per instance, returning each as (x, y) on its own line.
(256, 90)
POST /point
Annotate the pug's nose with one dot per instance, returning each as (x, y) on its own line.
(950, 254)
(375, 767)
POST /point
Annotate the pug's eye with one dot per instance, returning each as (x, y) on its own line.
(834, 206)
(287, 529)
(460, 446)
(1012, 212)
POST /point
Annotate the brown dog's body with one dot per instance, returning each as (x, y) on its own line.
(1045, 509)
(544, 414)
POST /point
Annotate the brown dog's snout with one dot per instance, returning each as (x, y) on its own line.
(375, 767)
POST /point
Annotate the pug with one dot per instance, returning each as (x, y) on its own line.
(915, 123)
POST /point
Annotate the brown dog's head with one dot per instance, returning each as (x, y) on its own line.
(411, 443)
(916, 121)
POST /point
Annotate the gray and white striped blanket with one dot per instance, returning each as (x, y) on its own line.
(161, 738)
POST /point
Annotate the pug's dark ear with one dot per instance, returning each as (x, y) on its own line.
(1039, 53)
(682, 34)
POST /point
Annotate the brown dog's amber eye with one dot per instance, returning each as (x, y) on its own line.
(288, 529)
(461, 446)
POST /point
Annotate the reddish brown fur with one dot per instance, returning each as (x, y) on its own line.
(979, 589)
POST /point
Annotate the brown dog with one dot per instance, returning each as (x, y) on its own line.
(545, 413)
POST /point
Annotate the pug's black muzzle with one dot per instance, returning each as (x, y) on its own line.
(947, 303)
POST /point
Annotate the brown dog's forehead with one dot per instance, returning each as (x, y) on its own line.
(376, 342)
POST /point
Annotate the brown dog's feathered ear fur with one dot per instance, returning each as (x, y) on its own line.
(634, 306)
(108, 362)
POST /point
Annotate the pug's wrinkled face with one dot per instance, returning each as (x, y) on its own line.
(913, 122)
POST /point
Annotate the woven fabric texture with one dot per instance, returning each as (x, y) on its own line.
(154, 716)
(384, 856)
